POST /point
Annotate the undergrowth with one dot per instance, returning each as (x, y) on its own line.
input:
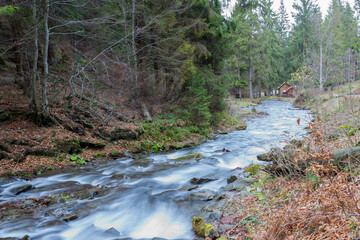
(321, 203)
(169, 131)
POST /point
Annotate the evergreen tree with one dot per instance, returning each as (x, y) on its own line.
(301, 37)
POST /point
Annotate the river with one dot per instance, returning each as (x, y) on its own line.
(142, 199)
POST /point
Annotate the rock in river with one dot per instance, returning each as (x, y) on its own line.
(188, 188)
(239, 184)
(22, 189)
(203, 195)
(232, 179)
(203, 229)
(201, 180)
(69, 217)
(193, 156)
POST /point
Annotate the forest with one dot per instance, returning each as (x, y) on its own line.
(177, 104)
(177, 52)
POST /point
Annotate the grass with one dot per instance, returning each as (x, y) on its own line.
(322, 202)
(241, 102)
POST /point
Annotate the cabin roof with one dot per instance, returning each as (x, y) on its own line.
(283, 85)
(288, 89)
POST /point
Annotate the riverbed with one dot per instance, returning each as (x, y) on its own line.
(150, 196)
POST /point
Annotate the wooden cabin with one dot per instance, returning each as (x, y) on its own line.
(285, 90)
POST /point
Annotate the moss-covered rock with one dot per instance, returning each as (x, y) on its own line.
(239, 184)
(142, 162)
(231, 179)
(119, 134)
(193, 156)
(89, 144)
(124, 134)
(68, 146)
(242, 126)
(115, 154)
(41, 151)
(203, 195)
(203, 229)
(99, 156)
(253, 169)
(277, 155)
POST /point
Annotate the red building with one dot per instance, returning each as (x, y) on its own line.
(285, 90)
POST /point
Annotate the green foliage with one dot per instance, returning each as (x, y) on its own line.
(253, 169)
(77, 159)
(100, 156)
(204, 99)
(314, 179)
(302, 77)
(349, 129)
(8, 10)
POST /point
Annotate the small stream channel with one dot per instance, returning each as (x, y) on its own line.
(142, 199)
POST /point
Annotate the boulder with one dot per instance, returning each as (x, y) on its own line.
(341, 156)
(89, 144)
(68, 146)
(223, 150)
(277, 155)
(22, 189)
(119, 176)
(203, 229)
(112, 232)
(253, 169)
(26, 237)
(88, 194)
(203, 195)
(242, 126)
(127, 154)
(297, 143)
(244, 194)
(239, 184)
(115, 154)
(142, 162)
(124, 134)
(193, 156)
(231, 179)
(69, 217)
(41, 151)
(201, 180)
(189, 188)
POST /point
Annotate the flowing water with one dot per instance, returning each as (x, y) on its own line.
(142, 200)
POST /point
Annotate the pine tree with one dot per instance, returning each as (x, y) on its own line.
(301, 37)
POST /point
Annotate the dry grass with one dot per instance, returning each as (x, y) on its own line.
(324, 203)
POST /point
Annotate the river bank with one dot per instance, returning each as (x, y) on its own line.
(312, 192)
(169, 188)
(27, 150)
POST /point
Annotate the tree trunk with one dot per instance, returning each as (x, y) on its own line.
(134, 51)
(321, 67)
(46, 112)
(33, 98)
(251, 70)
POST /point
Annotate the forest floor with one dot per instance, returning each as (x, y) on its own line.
(88, 132)
(312, 193)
